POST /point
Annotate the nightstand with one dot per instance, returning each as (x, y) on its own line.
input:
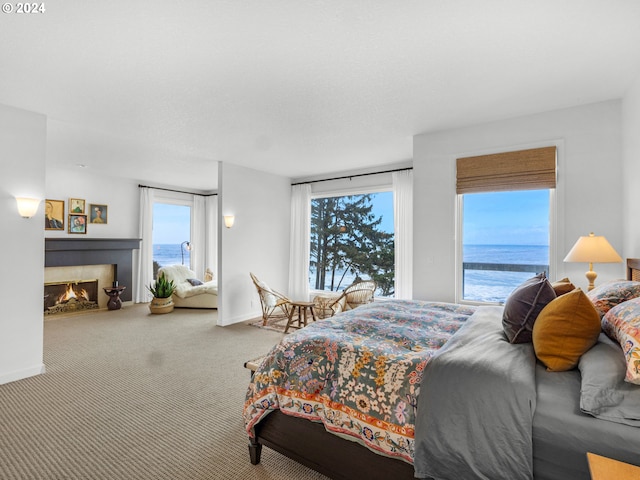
(603, 468)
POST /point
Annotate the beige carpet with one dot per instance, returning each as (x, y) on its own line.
(129, 395)
(277, 323)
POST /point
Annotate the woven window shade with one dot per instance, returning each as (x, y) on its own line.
(531, 169)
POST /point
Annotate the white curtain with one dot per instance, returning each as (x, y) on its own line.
(299, 244)
(144, 270)
(198, 236)
(211, 235)
(403, 225)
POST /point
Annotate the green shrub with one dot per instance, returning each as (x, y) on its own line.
(162, 288)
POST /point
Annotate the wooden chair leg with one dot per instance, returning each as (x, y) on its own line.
(286, 329)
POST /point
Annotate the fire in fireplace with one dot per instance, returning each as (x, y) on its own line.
(72, 296)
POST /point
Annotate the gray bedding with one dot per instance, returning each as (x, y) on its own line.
(562, 434)
(485, 389)
(489, 410)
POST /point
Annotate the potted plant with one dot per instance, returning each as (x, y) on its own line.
(162, 291)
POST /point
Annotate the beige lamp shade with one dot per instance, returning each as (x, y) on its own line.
(592, 249)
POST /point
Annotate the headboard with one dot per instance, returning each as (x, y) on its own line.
(633, 269)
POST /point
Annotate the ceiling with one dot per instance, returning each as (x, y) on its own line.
(160, 89)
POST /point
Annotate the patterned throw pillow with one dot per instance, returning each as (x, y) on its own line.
(622, 324)
(606, 296)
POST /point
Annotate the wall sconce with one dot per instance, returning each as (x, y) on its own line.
(592, 250)
(184, 245)
(229, 220)
(27, 207)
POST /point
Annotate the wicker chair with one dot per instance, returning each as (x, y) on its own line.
(356, 294)
(273, 303)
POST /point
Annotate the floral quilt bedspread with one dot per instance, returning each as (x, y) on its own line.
(359, 372)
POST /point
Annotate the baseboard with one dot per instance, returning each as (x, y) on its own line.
(239, 319)
(20, 374)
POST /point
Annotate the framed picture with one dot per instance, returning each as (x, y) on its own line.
(76, 205)
(97, 213)
(77, 223)
(53, 214)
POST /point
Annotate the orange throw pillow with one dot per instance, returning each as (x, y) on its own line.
(565, 329)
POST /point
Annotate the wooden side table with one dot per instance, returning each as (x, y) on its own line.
(603, 468)
(114, 297)
(302, 308)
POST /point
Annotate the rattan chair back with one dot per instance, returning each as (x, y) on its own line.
(274, 304)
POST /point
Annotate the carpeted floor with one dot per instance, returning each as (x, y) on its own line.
(129, 395)
(277, 323)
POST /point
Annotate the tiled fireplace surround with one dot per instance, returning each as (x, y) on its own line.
(105, 259)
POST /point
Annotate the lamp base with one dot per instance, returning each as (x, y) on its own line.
(591, 277)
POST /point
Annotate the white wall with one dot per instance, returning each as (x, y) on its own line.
(258, 242)
(22, 150)
(631, 170)
(589, 191)
(120, 196)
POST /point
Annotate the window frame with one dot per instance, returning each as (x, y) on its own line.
(343, 192)
(553, 239)
(178, 199)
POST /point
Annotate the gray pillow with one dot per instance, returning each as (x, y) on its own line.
(604, 393)
(524, 305)
(194, 281)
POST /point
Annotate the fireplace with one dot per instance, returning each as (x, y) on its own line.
(71, 296)
(117, 253)
(102, 274)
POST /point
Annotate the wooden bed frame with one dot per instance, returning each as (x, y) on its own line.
(310, 444)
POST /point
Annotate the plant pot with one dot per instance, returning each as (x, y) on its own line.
(161, 305)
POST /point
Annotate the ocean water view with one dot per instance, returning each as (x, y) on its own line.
(169, 254)
(495, 286)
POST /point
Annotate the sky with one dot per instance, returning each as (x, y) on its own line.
(383, 206)
(171, 224)
(506, 218)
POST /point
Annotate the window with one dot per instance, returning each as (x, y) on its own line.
(171, 234)
(352, 237)
(505, 205)
(505, 241)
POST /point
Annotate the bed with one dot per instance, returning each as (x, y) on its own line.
(482, 410)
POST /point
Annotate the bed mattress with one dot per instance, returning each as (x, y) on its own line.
(562, 434)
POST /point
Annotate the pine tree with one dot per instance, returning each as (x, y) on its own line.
(346, 237)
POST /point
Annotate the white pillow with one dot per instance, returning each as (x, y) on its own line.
(268, 297)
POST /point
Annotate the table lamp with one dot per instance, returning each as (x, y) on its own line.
(592, 249)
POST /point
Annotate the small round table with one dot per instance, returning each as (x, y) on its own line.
(302, 314)
(114, 297)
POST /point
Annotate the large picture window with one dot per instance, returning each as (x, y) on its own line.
(505, 241)
(505, 234)
(352, 238)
